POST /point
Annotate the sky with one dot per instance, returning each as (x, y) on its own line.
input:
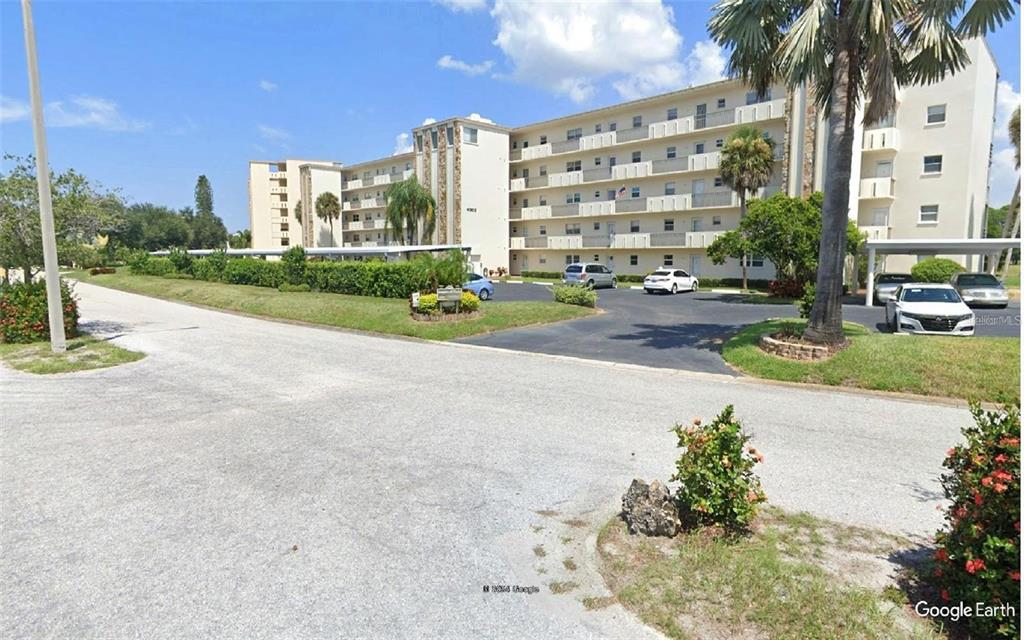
(147, 96)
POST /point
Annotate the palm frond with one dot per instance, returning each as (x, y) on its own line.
(985, 16)
(933, 48)
(751, 30)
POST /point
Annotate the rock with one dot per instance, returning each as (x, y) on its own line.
(650, 509)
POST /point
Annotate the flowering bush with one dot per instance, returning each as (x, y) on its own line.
(978, 559)
(789, 288)
(469, 302)
(716, 472)
(23, 315)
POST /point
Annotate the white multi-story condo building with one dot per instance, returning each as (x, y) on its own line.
(636, 185)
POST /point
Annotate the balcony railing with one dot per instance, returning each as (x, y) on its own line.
(600, 173)
(515, 214)
(536, 242)
(636, 133)
(597, 241)
(356, 204)
(670, 164)
(876, 232)
(570, 209)
(887, 138)
(876, 188)
(631, 204)
(536, 181)
(714, 119)
(564, 146)
(711, 199)
(516, 154)
(669, 239)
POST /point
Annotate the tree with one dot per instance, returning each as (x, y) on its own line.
(208, 230)
(240, 239)
(1011, 224)
(843, 51)
(411, 208)
(746, 165)
(328, 209)
(204, 196)
(731, 244)
(152, 228)
(298, 211)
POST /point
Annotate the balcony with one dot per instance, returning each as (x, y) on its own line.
(629, 171)
(515, 214)
(354, 204)
(876, 188)
(885, 139)
(360, 225)
(565, 146)
(278, 189)
(649, 204)
(602, 242)
(713, 199)
(570, 209)
(630, 205)
(600, 173)
(636, 133)
(536, 242)
(278, 175)
(714, 119)
(670, 164)
(668, 239)
(516, 155)
(279, 205)
(536, 181)
(876, 232)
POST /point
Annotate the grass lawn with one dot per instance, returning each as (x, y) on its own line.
(794, 577)
(984, 369)
(1013, 276)
(380, 315)
(83, 353)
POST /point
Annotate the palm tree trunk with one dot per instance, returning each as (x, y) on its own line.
(743, 214)
(825, 325)
(1012, 212)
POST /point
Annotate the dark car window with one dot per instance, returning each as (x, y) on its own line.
(977, 280)
(662, 273)
(919, 294)
(574, 268)
(474, 277)
(888, 278)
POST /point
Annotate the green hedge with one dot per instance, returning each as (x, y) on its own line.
(253, 271)
(152, 266)
(369, 278)
(574, 294)
(555, 275)
(630, 277)
(935, 270)
(732, 283)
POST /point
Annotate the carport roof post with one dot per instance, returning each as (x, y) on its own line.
(974, 246)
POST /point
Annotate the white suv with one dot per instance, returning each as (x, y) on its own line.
(670, 280)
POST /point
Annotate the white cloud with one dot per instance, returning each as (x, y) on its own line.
(428, 121)
(87, 112)
(1006, 101)
(403, 144)
(1002, 177)
(273, 134)
(267, 85)
(466, 6)
(568, 48)
(448, 62)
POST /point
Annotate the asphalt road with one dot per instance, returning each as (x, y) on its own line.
(684, 331)
(255, 479)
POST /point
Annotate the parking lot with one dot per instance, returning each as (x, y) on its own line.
(684, 331)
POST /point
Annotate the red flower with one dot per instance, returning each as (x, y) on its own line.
(977, 498)
(974, 566)
(1000, 487)
(986, 481)
(1001, 458)
(950, 452)
(941, 555)
(944, 595)
(1015, 576)
(1010, 442)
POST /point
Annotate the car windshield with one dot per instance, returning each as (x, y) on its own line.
(977, 280)
(887, 278)
(915, 294)
(662, 273)
(573, 268)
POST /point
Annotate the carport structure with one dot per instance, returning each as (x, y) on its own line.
(977, 246)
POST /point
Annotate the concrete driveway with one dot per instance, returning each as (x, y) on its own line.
(252, 479)
(684, 331)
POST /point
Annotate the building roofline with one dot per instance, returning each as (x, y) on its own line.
(466, 120)
(385, 159)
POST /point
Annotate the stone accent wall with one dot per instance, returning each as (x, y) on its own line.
(441, 213)
(427, 155)
(792, 350)
(810, 136)
(788, 112)
(305, 195)
(457, 222)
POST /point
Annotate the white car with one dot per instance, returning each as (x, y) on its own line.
(928, 308)
(670, 280)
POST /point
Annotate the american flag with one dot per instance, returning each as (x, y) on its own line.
(621, 192)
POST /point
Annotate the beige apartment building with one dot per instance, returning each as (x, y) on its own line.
(636, 185)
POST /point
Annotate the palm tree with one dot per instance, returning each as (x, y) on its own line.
(845, 51)
(747, 162)
(298, 211)
(1013, 214)
(410, 208)
(328, 209)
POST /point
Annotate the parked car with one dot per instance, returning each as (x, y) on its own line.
(928, 308)
(670, 280)
(589, 274)
(481, 286)
(887, 283)
(980, 290)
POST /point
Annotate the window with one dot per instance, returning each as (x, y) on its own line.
(515, 144)
(698, 148)
(450, 135)
(936, 114)
(933, 164)
(543, 260)
(433, 138)
(571, 198)
(667, 260)
(929, 214)
(572, 229)
(574, 165)
(611, 194)
(638, 121)
(753, 97)
(597, 195)
(612, 126)
(543, 200)
(716, 221)
(597, 128)
(543, 169)
(669, 224)
(597, 162)
(719, 143)
(670, 153)
(419, 142)
(611, 161)
(634, 226)
(543, 139)
(721, 103)
(526, 202)
(670, 188)
(543, 230)
(633, 260)
(284, 242)
(718, 182)
(574, 134)
(673, 113)
(755, 261)
(569, 260)
(599, 269)
(634, 192)
(408, 166)
(526, 143)
(470, 134)
(597, 226)
(636, 156)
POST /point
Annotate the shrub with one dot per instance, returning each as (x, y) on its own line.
(734, 283)
(253, 271)
(181, 260)
(554, 275)
(293, 264)
(136, 262)
(806, 301)
(447, 271)
(286, 287)
(215, 263)
(154, 266)
(23, 314)
(716, 473)
(978, 557)
(574, 294)
(368, 278)
(469, 302)
(202, 269)
(81, 256)
(935, 270)
(428, 303)
(122, 255)
(629, 277)
(95, 271)
(789, 288)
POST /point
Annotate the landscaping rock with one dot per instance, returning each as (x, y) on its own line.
(650, 510)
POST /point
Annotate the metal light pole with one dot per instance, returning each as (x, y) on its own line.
(54, 305)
